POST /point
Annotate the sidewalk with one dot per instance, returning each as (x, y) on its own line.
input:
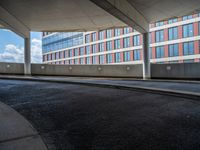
(187, 89)
(16, 133)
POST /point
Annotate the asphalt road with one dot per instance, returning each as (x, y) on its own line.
(73, 117)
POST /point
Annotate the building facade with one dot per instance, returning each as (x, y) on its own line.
(176, 40)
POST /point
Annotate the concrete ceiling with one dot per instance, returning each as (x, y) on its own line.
(87, 15)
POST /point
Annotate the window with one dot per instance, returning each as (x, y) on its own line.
(127, 56)
(82, 51)
(117, 44)
(173, 33)
(94, 48)
(108, 33)
(94, 60)
(101, 47)
(109, 58)
(71, 61)
(60, 55)
(160, 52)
(87, 38)
(101, 35)
(188, 30)
(70, 53)
(94, 36)
(81, 61)
(109, 45)
(187, 17)
(126, 42)
(117, 32)
(160, 36)
(173, 50)
(76, 52)
(173, 20)
(136, 40)
(57, 55)
(188, 48)
(76, 61)
(126, 30)
(117, 57)
(87, 60)
(101, 59)
(87, 50)
(136, 54)
(161, 23)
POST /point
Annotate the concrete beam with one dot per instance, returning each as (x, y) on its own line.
(11, 22)
(125, 12)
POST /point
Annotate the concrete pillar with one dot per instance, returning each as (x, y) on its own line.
(27, 56)
(146, 57)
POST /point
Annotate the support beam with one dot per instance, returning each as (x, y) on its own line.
(27, 56)
(11, 22)
(146, 58)
(125, 12)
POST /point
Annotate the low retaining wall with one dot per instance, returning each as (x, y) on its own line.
(11, 68)
(176, 71)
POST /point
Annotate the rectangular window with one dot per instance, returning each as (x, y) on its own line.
(81, 61)
(109, 58)
(71, 61)
(117, 44)
(161, 23)
(87, 60)
(76, 52)
(173, 50)
(82, 51)
(94, 48)
(57, 55)
(173, 33)
(136, 54)
(187, 17)
(188, 30)
(60, 55)
(101, 35)
(101, 47)
(136, 40)
(127, 56)
(109, 45)
(76, 61)
(94, 59)
(126, 42)
(87, 38)
(188, 48)
(173, 20)
(87, 50)
(160, 36)
(101, 59)
(71, 53)
(117, 32)
(160, 52)
(94, 36)
(108, 33)
(117, 57)
(126, 30)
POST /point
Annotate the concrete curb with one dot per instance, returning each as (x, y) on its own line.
(16, 133)
(177, 93)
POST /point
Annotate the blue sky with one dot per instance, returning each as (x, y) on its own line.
(12, 47)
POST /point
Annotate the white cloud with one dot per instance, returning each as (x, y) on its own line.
(13, 53)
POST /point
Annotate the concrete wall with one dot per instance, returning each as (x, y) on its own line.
(88, 70)
(177, 71)
(11, 68)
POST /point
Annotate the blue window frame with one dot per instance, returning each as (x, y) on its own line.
(127, 56)
(160, 36)
(136, 54)
(160, 23)
(94, 36)
(136, 40)
(101, 47)
(82, 51)
(172, 20)
(71, 53)
(87, 48)
(109, 58)
(87, 60)
(188, 30)
(94, 59)
(76, 52)
(94, 48)
(173, 33)
(188, 48)
(87, 38)
(160, 52)
(187, 17)
(101, 59)
(81, 61)
(126, 30)
(117, 32)
(173, 50)
(109, 45)
(108, 33)
(117, 57)
(126, 42)
(76, 61)
(101, 35)
(117, 44)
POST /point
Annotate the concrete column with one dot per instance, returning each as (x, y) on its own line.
(146, 58)
(27, 56)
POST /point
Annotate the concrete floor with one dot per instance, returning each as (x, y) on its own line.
(78, 117)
